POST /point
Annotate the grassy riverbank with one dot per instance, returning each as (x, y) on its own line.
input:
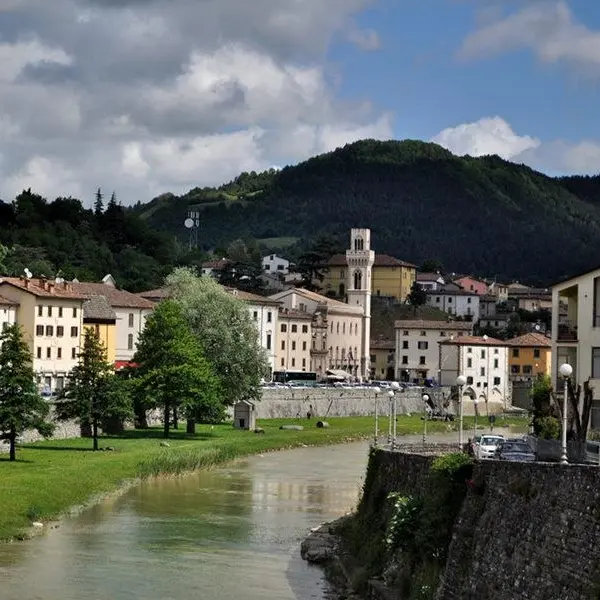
(50, 477)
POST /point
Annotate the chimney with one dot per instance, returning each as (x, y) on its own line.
(26, 281)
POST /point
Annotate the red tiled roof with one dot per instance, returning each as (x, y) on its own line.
(219, 263)
(530, 340)
(249, 297)
(422, 324)
(157, 294)
(473, 340)
(381, 260)
(117, 298)
(428, 276)
(44, 288)
(122, 364)
(292, 313)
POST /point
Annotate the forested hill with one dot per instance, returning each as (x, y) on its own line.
(481, 215)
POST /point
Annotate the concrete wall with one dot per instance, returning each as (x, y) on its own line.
(333, 402)
(528, 531)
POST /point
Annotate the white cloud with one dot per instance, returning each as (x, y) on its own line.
(493, 135)
(15, 57)
(365, 39)
(548, 29)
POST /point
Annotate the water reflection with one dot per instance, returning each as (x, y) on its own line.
(229, 533)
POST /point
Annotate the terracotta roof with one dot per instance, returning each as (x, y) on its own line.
(422, 324)
(117, 298)
(98, 308)
(444, 292)
(472, 340)
(429, 276)
(530, 340)
(529, 293)
(381, 260)
(7, 301)
(292, 313)
(44, 288)
(249, 297)
(219, 263)
(383, 345)
(157, 294)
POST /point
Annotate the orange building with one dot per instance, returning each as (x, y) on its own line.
(529, 355)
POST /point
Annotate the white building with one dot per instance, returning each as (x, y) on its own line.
(459, 303)
(132, 310)
(8, 313)
(576, 333)
(430, 281)
(274, 264)
(417, 347)
(483, 361)
(213, 268)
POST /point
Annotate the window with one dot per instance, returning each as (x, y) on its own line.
(294, 328)
(130, 341)
(130, 319)
(405, 333)
(293, 345)
(268, 341)
(40, 309)
(269, 317)
(405, 345)
(60, 330)
(39, 330)
(49, 330)
(423, 345)
(74, 312)
(527, 369)
(283, 328)
(48, 352)
(437, 299)
(60, 311)
(496, 380)
(449, 300)
(405, 360)
(73, 352)
(39, 352)
(469, 380)
(495, 363)
(344, 327)
(468, 300)
(337, 328)
(304, 362)
(469, 350)
(303, 345)
(515, 353)
(74, 331)
(495, 350)
(423, 333)
(302, 306)
(304, 328)
(442, 334)
(59, 353)
(482, 353)
(283, 344)
(515, 369)
(49, 311)
(469, 363)
(421, 360)
(482, 371)
(536, 353)
(293, 362)
(255, 315)
(282, 362)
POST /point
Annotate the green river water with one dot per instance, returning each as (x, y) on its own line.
(230, 533)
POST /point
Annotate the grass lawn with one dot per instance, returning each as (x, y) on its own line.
(50, 477)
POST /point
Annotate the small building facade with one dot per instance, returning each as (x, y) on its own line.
(472, 284)
(8, 313)
(430, 281)
(458, 303)
(383, 360)
(294, 340)
(99, 316)
(244, 415)
(529, 355)
(275, 265)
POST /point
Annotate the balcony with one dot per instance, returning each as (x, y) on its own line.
(567, 332)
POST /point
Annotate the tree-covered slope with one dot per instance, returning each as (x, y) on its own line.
(482, 215)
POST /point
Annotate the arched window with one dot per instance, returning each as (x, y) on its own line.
(331, 326)
(337, 353)
(359, 244)
(130, 341)
(344, 328)
(355, 353)
(357, 280)
(342, 290)
(337, 329)
(343, 354)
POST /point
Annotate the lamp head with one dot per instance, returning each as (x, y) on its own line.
(377, 390)
(425, 397)
(395, 386)
(461, 380)
(566, 370)
(391, 393)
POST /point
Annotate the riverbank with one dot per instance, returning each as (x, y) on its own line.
(51, 477)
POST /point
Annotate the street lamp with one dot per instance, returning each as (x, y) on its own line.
(475, 402)
(426, 403)
(376, 440)
(565, 370)
(391, 398)
(460, 382)
(395, 388)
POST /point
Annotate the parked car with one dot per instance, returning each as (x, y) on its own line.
(518, 451)
(488, 444)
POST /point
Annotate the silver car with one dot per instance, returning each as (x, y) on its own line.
(488, 445)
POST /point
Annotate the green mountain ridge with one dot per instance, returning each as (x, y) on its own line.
(479, 215)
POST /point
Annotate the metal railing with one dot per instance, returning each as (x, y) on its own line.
(566, 332)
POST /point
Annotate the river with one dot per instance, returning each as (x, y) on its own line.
(232, 532)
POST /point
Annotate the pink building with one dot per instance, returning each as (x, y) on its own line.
(472, 284)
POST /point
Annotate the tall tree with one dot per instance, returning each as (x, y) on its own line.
(93, 394)
(417, 296)
(225, 330)
(312, 262)
(98, 203)
(173, 371)
(21, 406)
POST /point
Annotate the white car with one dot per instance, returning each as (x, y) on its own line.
(487, 445)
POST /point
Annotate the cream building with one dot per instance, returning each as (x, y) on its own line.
(51, 316)
(8, 313)
(294, 340)
(417, 355)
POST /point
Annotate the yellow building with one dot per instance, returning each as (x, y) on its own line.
(529, 355)
(383, 360)
(99, 316)
(390, 277)
(294, 340)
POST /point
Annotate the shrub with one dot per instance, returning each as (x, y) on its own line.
(403, 523)
(547, 428)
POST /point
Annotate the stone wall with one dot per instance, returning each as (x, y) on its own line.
(333, 402)
(525, 531)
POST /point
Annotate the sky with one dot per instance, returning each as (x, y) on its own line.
(150, 96)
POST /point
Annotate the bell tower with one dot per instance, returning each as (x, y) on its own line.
(360, 259)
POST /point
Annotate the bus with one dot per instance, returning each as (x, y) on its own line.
(306, 377)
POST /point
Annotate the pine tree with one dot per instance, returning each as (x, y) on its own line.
(98, 204)
(417, 296)
(21, 406)
(93, 394)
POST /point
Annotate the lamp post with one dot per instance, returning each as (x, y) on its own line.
(475, 401)
(460, 382)
(391, 398)
(395, 388)
(426, 403)
(565, 370)
(376, 439)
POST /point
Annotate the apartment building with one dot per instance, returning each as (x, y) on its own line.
(294, 340)
(529, 355)
(417, 352)
(51, 316)
(8, 313)
(99, 316)
(455, 301)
